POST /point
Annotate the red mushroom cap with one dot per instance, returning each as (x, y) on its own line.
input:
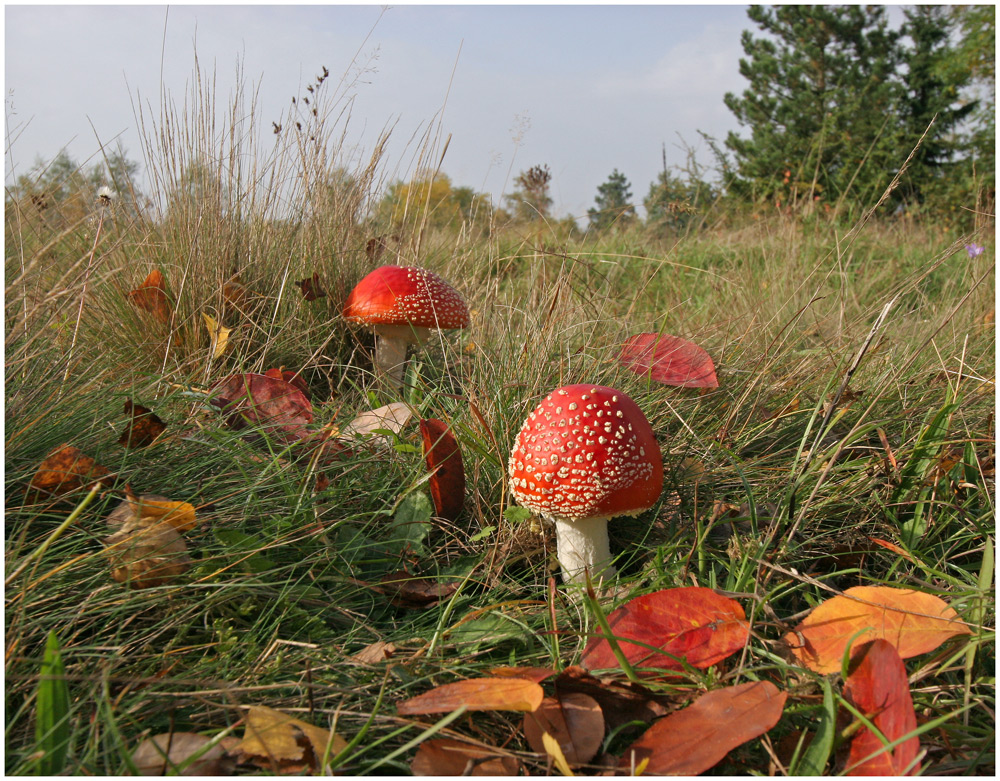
(586, 452)
(405, 295)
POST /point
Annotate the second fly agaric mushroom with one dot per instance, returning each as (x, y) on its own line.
(402, 304)
(586, 454)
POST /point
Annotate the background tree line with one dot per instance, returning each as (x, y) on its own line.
(836, 102)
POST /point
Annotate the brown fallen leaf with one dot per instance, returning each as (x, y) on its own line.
(914, 622)
(620, 703)
(144, 555)
(877, 686)
(64, 470)
(234, 294)
(692, 740)
(311, 288)
(377, 652)
(444, 461)
(450, 757)
(536, 674)
(476, 694)
(405, 590)
(574, 720)
(164, 754)
(280, 743)
(143, 428)
(151, 296)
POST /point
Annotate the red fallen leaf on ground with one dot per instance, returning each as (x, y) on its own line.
(405, 590)
(449, 757)
(692, 740)
(144, 426)
(877, 685)
(294, 378)
(67, 469)
(670, 360)
(621, 703)
(574, 720)
(476, 694)
(915, 623)
(311, 288)
(692, 623)
(151, 296)
(265, 401)
(444, 461)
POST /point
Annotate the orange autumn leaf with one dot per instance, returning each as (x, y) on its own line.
(67, 469)
(877, 685)
(912, 621)
(692, 623)
(151, 296)
(698, 737)
(144, 426)
(476, 694)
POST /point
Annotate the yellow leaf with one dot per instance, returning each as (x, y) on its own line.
(553, 750)
(278, 741)
(180, 515)
(219, 334)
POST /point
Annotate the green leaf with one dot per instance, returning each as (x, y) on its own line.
(241, 543)
(412, 522)
(816, 756)
(516, 514)
(483, 534)
(52, 727)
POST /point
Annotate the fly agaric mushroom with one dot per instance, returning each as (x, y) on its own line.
(402, 304)
(586, 454)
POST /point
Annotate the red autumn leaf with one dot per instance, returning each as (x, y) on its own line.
(574, 720)
(692, 740)
(450, 757)
(151, 296)
(265, 401)
(444, 461)
(692, 623)
(877, 685)
(476, 694)
(311, 288)
(66, 469)
(670, 360)
(294, 378)
(914, 622)
(144, 426)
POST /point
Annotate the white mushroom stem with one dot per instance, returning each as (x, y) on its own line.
(583, 544)
(390, 350)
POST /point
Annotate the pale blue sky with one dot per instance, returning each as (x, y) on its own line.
(590, 88)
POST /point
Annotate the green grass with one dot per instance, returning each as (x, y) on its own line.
(281, 596)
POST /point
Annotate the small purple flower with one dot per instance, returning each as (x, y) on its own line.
(974, 250)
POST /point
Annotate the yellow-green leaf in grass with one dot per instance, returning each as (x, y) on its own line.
(52, 727)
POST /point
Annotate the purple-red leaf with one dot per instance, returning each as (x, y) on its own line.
(693, 623)
(257, 399)
(444, 460)
(670, 360)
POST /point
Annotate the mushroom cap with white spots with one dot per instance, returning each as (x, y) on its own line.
(405, 295)
(586, 452)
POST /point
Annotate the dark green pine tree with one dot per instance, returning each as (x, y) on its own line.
(931, 89)
(819, 105)
(614, 203)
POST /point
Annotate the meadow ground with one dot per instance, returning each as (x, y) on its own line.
(855, 401)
